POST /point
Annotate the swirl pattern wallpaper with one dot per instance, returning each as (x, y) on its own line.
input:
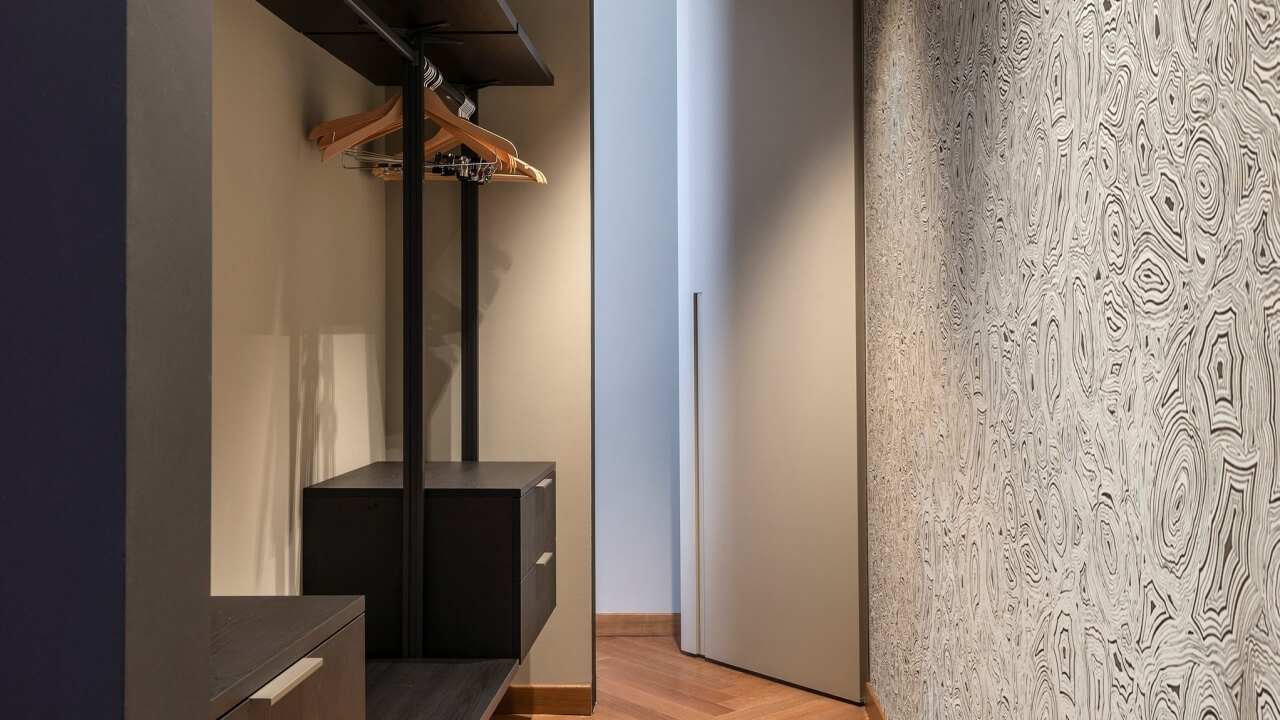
(1073, 317)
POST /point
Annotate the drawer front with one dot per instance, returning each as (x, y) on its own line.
(353, 545)
(537, 524)
(333, 690)
(537, 599)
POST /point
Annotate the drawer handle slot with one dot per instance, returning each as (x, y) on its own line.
(546, 483)
(274, 691)
(546, 558)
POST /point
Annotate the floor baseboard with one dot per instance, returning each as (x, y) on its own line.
(638, 625)
(874, 711)
(546, 700)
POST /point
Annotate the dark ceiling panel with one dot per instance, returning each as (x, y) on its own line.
(479, 41)
(483, 59)
(325, 16)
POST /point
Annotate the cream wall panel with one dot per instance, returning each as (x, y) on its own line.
(535, 337)
(298, 297)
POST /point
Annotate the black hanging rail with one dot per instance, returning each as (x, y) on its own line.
(414, 454)
(418, 74)
(470, 311)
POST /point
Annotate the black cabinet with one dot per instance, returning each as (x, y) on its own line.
(489, 563)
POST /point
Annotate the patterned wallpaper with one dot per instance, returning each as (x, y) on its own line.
(1073, 282)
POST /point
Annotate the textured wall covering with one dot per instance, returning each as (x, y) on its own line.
(1073, 259)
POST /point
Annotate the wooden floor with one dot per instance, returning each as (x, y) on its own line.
(650, 679)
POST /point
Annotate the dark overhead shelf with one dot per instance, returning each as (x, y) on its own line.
(317, 16)
(474, 42)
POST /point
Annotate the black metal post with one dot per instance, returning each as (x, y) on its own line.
(470, 193)
(413, 420)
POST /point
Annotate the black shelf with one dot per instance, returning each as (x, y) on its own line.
(475, 43)
(499, 478)
(437, 689)
(317, 16)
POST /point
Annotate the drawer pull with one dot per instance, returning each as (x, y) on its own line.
(274, 691)
(546, 558)
(546, 483)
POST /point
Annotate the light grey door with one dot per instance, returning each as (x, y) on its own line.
(769, 219)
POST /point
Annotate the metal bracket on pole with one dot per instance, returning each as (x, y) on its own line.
(431, 75)
(391, 36)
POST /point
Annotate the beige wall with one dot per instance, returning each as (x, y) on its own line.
(535, 304)
(298, 297)
(535, 340)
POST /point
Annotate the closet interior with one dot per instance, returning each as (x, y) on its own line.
(424, 584)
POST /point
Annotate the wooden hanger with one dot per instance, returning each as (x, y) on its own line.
(385, 125)
(393, 176)
(529, 171)
(434, 108)
(326, 132)
(443, 140)
(336, 136)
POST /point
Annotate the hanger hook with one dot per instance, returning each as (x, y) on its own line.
(431, 76)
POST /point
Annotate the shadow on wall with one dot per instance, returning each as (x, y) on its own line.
(298, 297)
(315, 419)
(442, 317)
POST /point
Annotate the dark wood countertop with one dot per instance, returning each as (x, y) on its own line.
(253, 639)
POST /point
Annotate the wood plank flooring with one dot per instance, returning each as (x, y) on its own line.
(648, 678)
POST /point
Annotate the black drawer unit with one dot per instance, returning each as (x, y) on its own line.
(489, 563)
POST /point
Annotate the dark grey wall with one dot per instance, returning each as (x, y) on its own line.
(103, 399)
(1073, 354)
(62, 394)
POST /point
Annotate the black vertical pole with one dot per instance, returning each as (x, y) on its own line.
(413, 280)
(470, 193)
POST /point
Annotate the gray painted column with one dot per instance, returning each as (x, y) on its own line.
(168, 345)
